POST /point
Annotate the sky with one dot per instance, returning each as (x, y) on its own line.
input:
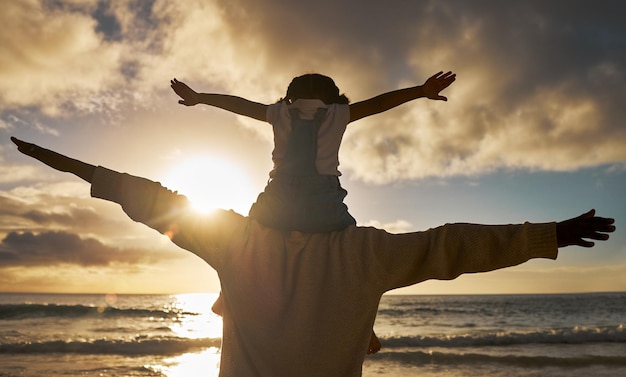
(534, 128)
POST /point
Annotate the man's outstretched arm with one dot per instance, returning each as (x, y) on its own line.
(147, 202)
(570, 232)
(573, 232)
(56, 160)
(445, 252)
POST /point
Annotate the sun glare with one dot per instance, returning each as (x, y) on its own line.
(211, 183)
(202, 323)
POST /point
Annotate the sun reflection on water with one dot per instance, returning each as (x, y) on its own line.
(195, 321)
(205, 364)
(196, 318)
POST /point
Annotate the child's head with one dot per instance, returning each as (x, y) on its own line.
(315, 86)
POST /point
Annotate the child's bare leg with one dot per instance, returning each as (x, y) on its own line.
(374, 345)
(218, 306)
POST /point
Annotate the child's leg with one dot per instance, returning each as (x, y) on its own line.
(312, 204)
(374, 345)
(218, 306)
(297, 197)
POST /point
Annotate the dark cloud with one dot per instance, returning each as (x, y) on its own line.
(108, 24)
(41, 213)
(63, 248)
(9, 206)
(537, 88)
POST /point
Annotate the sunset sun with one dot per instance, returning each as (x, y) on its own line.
(211, 183)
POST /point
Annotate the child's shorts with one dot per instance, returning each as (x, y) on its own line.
(311, 204)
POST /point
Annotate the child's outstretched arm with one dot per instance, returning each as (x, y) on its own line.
(230, 103)
(386, 101)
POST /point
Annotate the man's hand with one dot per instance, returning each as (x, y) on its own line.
(56, 160)
(24, 147)
(572, 231)
(189, 96)
(436, 83)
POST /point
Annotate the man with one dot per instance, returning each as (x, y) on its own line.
(298, 304)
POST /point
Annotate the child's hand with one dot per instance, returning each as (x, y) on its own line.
(189, 96)
(436, 84)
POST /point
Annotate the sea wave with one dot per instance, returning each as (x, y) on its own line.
(409, 309)
(575, 335)
(24, 311)
(152, 346)
(418, 358)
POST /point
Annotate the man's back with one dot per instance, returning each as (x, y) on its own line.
(299, 304)
(296, 303)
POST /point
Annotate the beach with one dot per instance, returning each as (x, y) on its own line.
(456, 335)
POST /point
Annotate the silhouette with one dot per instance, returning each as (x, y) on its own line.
(300, 303)
(304, 192)
(373, 347)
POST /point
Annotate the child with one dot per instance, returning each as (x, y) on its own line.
(304, 193)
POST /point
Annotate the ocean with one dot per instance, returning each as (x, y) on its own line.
(445, 336)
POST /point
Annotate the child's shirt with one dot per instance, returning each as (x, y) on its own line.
(328, 138)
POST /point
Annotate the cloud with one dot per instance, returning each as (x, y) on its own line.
(529, 95)
(59, 208)
(64, 248)
(14, 173)
(539, 87)
(33, 209)
(53, 56)
(50, 233)
(399, 226)
(70, 57)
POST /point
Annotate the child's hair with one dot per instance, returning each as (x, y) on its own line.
(314, 85)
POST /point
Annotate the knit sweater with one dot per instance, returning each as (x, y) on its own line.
(298, 304)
